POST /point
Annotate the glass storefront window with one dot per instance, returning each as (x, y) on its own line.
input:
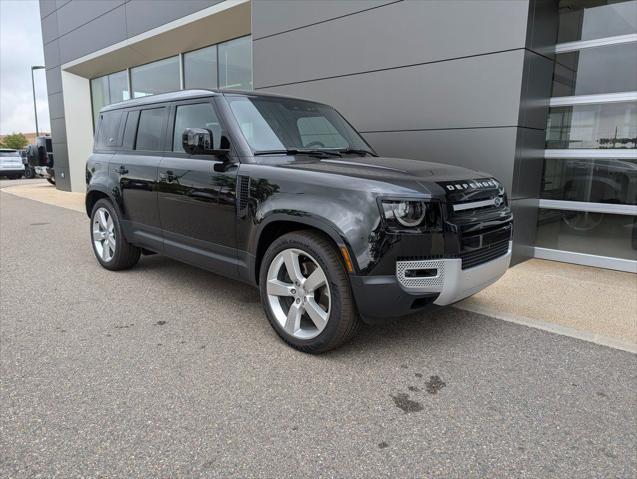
(612, 181)
(601, 19)
(612, 125)
(118, 87)
(108, 89)
(157, 77)
(200, 68)
(235, 64)
(589, 233)
(586, 72)
(99, 95)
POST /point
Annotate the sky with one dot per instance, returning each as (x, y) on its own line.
(21, 47)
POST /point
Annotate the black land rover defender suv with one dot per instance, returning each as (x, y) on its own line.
(285, 195)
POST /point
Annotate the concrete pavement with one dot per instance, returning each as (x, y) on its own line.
(169, 371)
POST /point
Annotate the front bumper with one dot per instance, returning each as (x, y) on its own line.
(447, 278)
(445, 283)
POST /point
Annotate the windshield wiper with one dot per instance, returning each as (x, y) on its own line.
(356, 152)
(299, 151)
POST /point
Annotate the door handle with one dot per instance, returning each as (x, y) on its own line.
(121, 170)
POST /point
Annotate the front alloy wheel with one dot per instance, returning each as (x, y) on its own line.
(298, 294)
(306, 293)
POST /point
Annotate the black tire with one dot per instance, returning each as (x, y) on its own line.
(51, 180)
(126, 255)
(29, 173)
(343, 321)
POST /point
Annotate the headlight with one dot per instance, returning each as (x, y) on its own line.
(408, 214)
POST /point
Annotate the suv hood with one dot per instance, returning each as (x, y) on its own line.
(414, 174)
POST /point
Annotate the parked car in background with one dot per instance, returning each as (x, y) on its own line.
(40, 158)
(29, 172)
(284, 194)
(11, 165)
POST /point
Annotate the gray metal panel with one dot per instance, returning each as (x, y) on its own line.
(53, 80)
(58, 130)
(56, 105)
(486, 149)
(50, 28)
(143, 15)
(542, 27)
(76, 13)
(536, 90)
(398, 34)
(481, 91)
(52, 54)
(61, 3)
(275, 16)
(47, 7)
(61, 165)
(529, 161)
(524, 229)
(106, 30)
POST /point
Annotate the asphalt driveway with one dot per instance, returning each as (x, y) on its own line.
(170, 371)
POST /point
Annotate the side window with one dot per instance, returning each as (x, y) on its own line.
(318, 132)
(108, 136)
(130, 130)
(199, 115)
(150, 129)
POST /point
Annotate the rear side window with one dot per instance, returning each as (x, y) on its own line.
(150, 129)
(200, 115)
(108, 135)
(130, 130)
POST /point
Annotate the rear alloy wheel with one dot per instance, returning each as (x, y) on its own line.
(104, 234)
(306, 292)
(109, 244)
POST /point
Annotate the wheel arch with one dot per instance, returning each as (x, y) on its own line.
(277, 225)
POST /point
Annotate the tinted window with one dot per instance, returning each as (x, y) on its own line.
(9, 153)
(108, 135)
(200, 115)
(130, 130)
(150, 131)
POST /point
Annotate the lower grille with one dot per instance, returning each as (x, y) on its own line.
(483, 255)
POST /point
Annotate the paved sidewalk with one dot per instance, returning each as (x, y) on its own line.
(592, 304)
(44, 192)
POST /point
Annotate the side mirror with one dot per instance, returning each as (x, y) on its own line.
(199, 141)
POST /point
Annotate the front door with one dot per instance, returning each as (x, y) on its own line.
(197, 203)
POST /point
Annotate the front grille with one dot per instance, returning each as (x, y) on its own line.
(483, 255)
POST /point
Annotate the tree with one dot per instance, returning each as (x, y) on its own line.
(15, 141)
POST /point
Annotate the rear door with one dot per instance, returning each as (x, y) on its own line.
(197, 203)
(136, 168)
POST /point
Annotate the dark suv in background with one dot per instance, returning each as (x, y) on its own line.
(285, 195)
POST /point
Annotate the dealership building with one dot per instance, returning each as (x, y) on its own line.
(540, 93)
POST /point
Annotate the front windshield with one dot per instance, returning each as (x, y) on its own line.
(278, 124)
